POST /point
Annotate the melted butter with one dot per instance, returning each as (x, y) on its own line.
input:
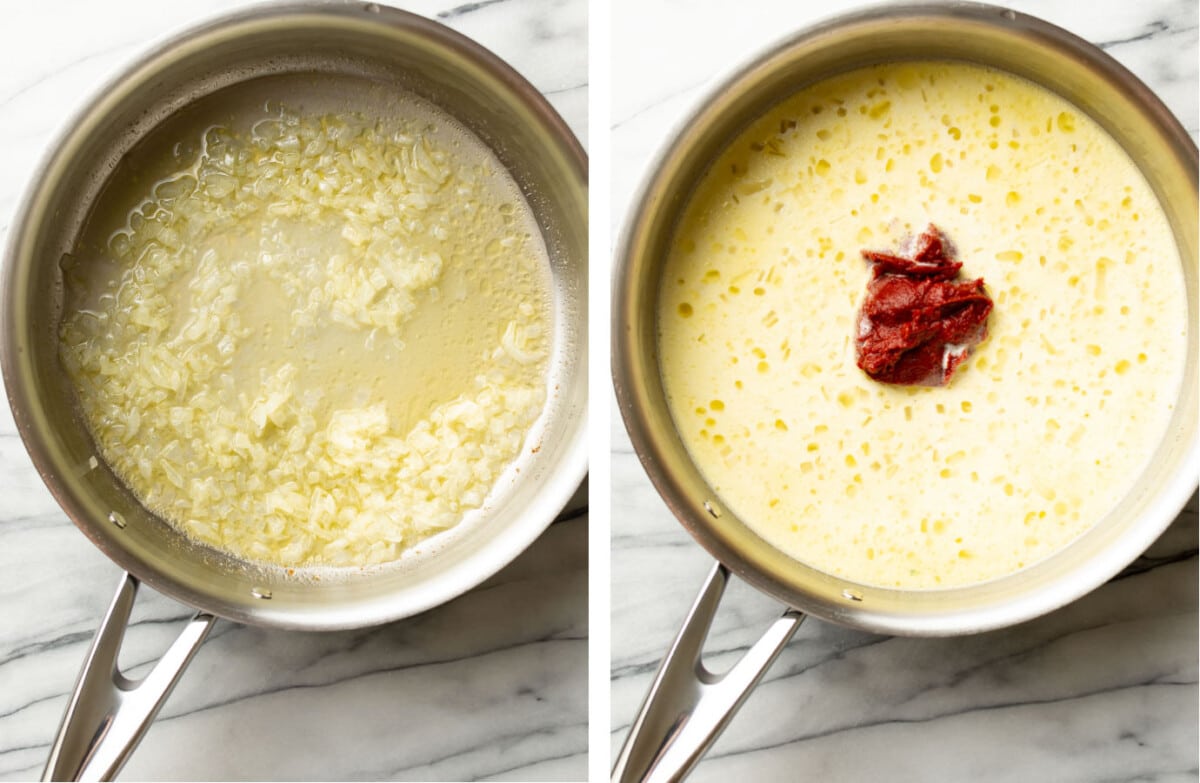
(326, 346)
(444, 343)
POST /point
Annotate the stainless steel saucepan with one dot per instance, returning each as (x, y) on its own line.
(354, 51)
(688, 706)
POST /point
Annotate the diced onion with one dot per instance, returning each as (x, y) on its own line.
(267, 473)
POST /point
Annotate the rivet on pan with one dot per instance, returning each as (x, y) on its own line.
(116, 519)
(93, 463)
(853, 595)
(711, 509)
(259, 592)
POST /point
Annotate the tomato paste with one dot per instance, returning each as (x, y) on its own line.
(917, 322)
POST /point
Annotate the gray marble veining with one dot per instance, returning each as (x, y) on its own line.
(1102, 690)
(490, 686)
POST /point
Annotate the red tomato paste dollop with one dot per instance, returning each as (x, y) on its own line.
(917, 322)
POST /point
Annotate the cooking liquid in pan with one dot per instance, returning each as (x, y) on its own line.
(1037, 436)
(307, 336)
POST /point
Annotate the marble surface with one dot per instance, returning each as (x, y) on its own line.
(1102, 690)
(490, 686)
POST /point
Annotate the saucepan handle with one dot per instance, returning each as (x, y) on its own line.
(108, 713)
(688, 706)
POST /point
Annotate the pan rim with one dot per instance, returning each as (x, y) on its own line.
(556, 487)
(660, 451)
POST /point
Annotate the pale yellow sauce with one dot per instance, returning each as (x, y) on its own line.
(1049, 423)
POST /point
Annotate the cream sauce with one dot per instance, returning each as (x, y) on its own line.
(1041, 432)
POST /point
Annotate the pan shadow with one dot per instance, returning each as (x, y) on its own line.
(491, 684)
(1106, 683)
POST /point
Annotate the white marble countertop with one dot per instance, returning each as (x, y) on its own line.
(1102, 690)
(490, 686)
